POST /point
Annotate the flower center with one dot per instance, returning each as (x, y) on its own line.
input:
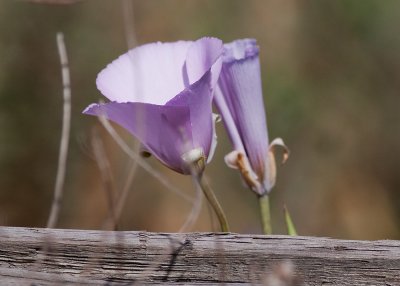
(195, 160)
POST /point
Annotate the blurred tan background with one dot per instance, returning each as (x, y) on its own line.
(331, 81)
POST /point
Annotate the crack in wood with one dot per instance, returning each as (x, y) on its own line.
(134, 258)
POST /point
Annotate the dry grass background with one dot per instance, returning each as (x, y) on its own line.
(330, 76)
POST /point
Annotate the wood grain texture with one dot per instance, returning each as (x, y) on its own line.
(55, 256)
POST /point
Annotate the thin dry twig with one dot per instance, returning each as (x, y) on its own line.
(130, 37)
(211, 216)
(120, 202)
(62, 159)
(129, 26)
(66, 123)
(198, 202)
(107, 178)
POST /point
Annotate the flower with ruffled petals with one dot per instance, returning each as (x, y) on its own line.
(240, 101)
(162, 94)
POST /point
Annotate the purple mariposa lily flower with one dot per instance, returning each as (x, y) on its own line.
(162, 94)
(240, 101)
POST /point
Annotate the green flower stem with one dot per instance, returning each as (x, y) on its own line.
(265, 214)
(212, 199)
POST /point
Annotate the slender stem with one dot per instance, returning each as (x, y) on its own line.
(228, 121)
(265, 214)
(212, 199)
(65, 132)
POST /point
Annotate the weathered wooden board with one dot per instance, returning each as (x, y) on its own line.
(59, 256)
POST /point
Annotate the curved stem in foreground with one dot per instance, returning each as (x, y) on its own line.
(265, 212)
(212, 199)
(65, 133)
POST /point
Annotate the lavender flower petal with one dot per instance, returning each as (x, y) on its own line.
(159, 135)
(240, 84)
(167, 131)
(203, 56)
(162, 94)
(198, 98)
(151, 73)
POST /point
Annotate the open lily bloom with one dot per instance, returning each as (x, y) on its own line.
(162, 94)
(240, 102)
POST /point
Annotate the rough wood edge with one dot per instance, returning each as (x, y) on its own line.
(51, 256)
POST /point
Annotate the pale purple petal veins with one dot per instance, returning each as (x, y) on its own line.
(198, 98)
(151, 73)
(204, 55)
(160, 128)
(240, 82)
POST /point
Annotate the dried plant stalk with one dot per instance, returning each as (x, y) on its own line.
(66, 123)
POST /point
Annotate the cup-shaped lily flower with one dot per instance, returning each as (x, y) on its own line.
(162, 94)
(240, 101)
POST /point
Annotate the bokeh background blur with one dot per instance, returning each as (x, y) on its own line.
(331, 82)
